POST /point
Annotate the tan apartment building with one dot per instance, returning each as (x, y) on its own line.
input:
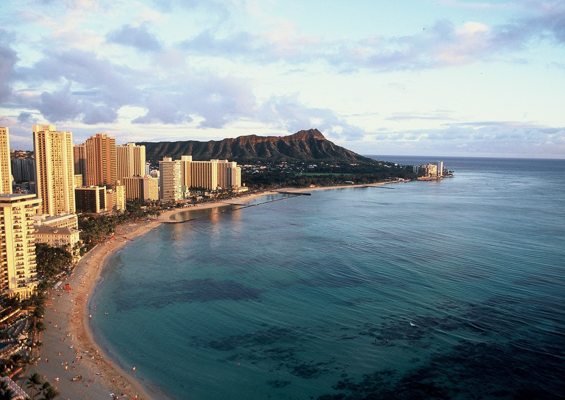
(57, 221)
(170, 179)
(143, 188)
(54, 167)
(229, 174)
(210, 175)
(204, 174)
(5, 162)
(18, 274)
(185, 175)
(100, 160)
(130, 160)
(116, 198)
(79, 180)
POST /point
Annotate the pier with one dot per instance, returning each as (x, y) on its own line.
(294, 193)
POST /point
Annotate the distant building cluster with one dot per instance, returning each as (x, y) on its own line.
(430, 170)
(177, 177)
(60, 179)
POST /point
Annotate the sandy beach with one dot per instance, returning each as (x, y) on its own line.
(69, 348)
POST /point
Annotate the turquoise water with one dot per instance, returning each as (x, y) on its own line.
(451, 289)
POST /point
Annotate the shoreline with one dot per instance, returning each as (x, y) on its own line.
(72, 346)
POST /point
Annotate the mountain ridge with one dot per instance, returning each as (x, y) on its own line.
(304, 145)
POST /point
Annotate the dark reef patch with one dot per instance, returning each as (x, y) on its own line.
(278, 384)
(468, 371)
(186, 291)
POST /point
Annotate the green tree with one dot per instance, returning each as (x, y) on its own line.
(51, 260)
(39, 312)
(34, 383)
(50, 393)
(40, 326)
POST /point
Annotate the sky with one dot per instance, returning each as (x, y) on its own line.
(413, 77)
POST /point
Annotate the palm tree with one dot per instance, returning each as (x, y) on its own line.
(50, 393)
(40, 326)
(33, 383)
(39, 311)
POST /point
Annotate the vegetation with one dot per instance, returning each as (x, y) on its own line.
(37, 386)
(95, 229)
(323, 174)
(51, 261)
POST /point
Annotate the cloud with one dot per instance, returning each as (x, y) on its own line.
(59, 106)
(63, 105)
(218, 100)
(444, 44)
(221, 10)
(287, 112)
(482, 135)
(441, 115)
(8, 60)
(162, 109)
(98, 114)
(115, 84)
(102, 87)
(25, 117)
(138, 37)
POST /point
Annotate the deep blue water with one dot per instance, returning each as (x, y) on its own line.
(451, 289)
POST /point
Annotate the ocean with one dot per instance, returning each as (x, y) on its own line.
(438, 290)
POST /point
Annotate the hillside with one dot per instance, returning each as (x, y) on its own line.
(308, 145)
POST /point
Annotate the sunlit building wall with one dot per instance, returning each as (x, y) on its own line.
(101, 160)
(5, 163)
(130, 160)
(170, 179)
(54, 169)
(204, 174)
(18, 274)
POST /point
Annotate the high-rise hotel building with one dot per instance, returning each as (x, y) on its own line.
(5, 163)
(143, 188)
(210, 175)
(170, 179)
(100, 160)
(229, 174)
(18, 274)
(130, 160)
(54, 167)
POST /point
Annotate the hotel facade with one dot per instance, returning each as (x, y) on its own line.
(5, 162)
(130, 161)
(170, 179)
(209, 175)
(54, 166)
(100, 160)
(18, 273)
